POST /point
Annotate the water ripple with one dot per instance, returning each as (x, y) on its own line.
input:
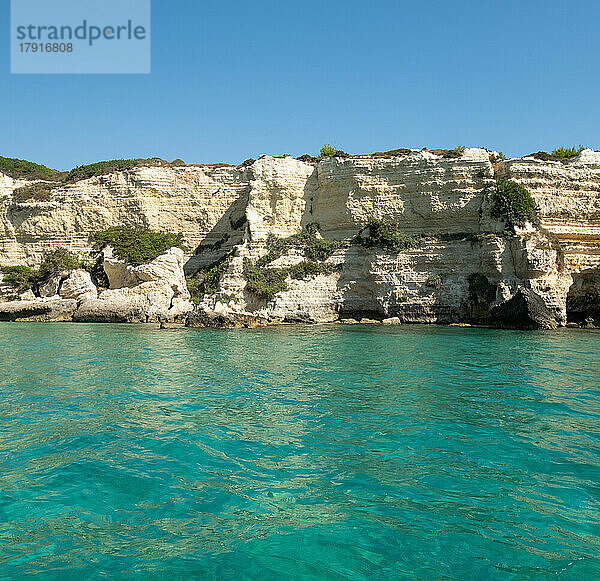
(298, 453)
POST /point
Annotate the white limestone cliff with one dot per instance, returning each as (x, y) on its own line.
(235, 211)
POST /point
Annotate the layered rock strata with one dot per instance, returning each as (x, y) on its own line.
(532, 276)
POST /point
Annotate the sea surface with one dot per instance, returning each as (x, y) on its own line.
(297, 453)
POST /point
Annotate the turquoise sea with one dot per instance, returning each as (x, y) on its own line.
(298, 453)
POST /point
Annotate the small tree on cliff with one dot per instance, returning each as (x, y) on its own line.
(328, 150)
(514, 204)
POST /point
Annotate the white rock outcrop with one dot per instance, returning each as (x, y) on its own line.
(152, 292)
(78, 285)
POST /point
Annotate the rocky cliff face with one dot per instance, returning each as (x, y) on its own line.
(463, 264)
(203, 202)
(568, 195)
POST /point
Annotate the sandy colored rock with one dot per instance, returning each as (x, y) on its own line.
(50, 287)
(78, 285)
(41, 309)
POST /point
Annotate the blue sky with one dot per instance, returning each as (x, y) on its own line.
(232, 80)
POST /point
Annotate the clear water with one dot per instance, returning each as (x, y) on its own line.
(298, 453)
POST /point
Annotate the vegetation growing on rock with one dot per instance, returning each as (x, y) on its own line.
(305, 269)
(137, 245)
(560, 154)
(387, 235)
(207, 281)
(307, 158)
(22, 169)
(264, 282)
(56, 261)
(21, 278)
(514, 204)
(84, 172)
(330, 151)
(327, 150)
(567, 152)
(434, 281)
(456, 152)
(37, 192)
(42, 191)
(315, 249)
(449, 153)
(403, 151)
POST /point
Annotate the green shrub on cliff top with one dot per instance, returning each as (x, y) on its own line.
(402, 152)
(514, 204)
(560, 154)
(83, 172)
(329, 151)
(22, 169)
(137, 245)
(567, 152)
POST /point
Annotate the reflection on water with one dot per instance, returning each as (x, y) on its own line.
(299, 453)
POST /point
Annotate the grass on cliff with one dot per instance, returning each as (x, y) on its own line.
(264, 282)
(434, 281)
(307, 269)
(331, 151)
(560, 154)
(137, 245)
(84, 172)
(514, 204)
(387, 235)
(42, 191)
(315, 249)
(23, 169)
(27, 170)
(21, 278)
(403, 151)
(57, 261)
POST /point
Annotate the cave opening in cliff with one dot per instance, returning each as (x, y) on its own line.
(583, 299)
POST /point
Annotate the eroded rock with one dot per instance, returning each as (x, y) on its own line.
(78, 285)
(202, 318)
(41, 309)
